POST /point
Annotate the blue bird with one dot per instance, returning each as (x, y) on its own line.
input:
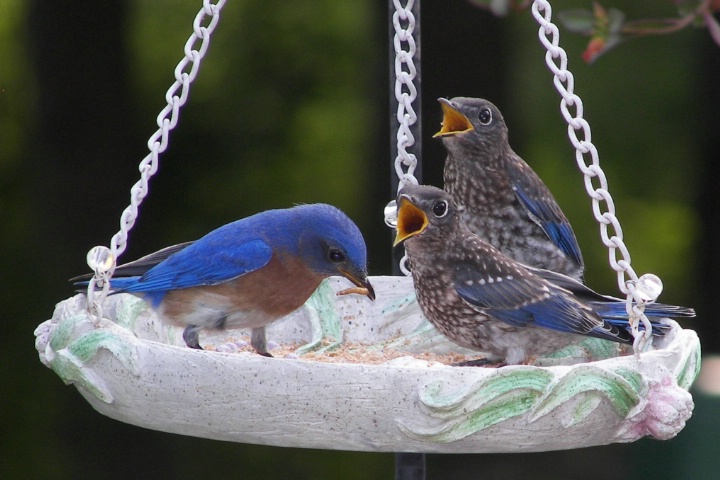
(248, 273)
(484, 300)
(505, 201)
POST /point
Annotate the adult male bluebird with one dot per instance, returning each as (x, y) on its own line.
(248, 273)
(505, 201)
(484, 300)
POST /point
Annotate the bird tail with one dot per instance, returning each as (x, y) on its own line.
(617, 310)
(127, 275)
(658, 329)
(117, 285)
(615, 314)
(121, 285)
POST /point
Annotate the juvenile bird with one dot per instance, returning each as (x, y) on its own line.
(505, 201)
(486, 301)
(248, 273)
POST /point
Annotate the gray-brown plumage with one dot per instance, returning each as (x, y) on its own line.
(486, 301)
(505, 201)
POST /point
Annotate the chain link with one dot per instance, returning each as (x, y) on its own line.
(405, 90)
(639, 291)
(405, 93)
(203, 26)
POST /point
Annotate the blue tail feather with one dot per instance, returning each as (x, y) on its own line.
(616, 310)
(658, 329)
(120, 285)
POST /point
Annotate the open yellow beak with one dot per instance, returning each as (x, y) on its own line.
(411, 220)
(453, 121)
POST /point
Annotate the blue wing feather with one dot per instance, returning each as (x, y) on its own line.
(523, 304)
(570, 307)
(203, 264)
(223, 254)
(543, 209)
(555, 226)
(606, 306)
(521, 299)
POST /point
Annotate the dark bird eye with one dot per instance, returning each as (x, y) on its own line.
(485, 116)
(336, 255)
(440, 209)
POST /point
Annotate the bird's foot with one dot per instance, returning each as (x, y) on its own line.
(190, 335)
(265, 354)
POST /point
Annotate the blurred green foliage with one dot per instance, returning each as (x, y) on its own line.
(279, 112)
(638, 111)
(17, 105)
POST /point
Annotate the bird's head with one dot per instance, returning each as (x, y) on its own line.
(332, 245)
(420, 207)
(463, 115)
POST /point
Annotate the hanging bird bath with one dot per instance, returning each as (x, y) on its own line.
(133, 368)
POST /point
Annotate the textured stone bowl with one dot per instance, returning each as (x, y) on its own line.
(131, 367)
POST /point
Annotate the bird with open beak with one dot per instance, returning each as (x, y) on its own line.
(484, 300)
(506, 203)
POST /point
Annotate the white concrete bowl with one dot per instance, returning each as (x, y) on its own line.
(133, 368)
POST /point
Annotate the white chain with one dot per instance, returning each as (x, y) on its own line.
(405, 93)
(641, 290)
(102, 259)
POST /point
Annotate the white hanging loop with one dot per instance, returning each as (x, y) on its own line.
(639, 291)
(101, 261)
(390, 214)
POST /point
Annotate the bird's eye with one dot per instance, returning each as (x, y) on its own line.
(336, 255)
(440, 209)
(485, 116)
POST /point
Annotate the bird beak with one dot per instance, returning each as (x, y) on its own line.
(453, 121)
(360, 280)
(411, 220)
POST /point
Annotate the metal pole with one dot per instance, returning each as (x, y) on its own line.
(408, 466)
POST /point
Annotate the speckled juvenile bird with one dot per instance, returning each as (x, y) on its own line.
(486, 301)
(248, 273)
(505, 201)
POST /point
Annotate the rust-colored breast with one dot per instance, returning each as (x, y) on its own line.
(275, 290)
